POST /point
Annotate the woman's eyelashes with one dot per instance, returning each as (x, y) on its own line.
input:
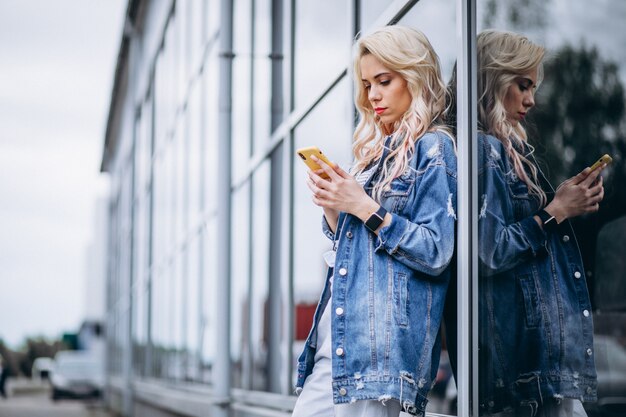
(380, 82)
(526, 84)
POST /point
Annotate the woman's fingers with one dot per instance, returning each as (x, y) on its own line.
(581, 176)
(328, 170)
(592, 176)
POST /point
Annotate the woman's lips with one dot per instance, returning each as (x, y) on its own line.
(380, 110)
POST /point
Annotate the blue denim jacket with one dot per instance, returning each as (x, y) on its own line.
(388, 290)
(536, 329)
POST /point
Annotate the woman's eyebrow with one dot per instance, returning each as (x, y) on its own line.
(377, 75)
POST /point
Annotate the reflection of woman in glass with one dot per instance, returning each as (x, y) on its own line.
(536, 330)
(374, 347)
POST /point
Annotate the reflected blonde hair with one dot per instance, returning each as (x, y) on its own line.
(408, 52)
(502, 57)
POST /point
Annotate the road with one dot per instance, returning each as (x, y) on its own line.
(38, 404)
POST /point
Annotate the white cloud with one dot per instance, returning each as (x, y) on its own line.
(57, 60)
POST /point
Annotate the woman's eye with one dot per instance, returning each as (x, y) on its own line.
(385, 82)
(522, 87)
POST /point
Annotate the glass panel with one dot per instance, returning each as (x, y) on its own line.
(194, 21)
(320, 55)
(160, 100)
(262, 75)
(240, 291)
(177, 320)
(194, 156)
(371, 10)
(259, 322)
(309, 241)
(160, 309)
(192, 309)
(555, 292)
(210, 124)
(210, 296)
(436, 19)
(212, 17)
(180, 181)
(241, 129)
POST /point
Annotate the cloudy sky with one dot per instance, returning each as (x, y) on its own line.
(57, 60)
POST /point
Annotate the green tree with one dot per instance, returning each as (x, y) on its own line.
(580, 115)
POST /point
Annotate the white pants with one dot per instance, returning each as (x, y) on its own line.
(567, 407)
(316, 398)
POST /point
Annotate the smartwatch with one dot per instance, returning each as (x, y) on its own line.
(376, 219)
(549, 221)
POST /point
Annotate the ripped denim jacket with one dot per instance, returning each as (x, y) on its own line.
(388, 290)
(535, 328)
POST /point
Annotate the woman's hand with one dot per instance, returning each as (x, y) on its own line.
(339, 192)
(578, 195)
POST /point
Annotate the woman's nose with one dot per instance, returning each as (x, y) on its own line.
(529, 100)
(373, 94)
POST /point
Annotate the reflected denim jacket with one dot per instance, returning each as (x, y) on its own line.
(536, 329)
(388, 290)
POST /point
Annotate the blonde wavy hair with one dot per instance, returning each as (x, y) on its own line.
(408, 52)
(502, 57)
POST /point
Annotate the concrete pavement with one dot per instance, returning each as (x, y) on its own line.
(38, 404)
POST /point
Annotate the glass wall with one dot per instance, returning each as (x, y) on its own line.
(164, 244)
(570, 306)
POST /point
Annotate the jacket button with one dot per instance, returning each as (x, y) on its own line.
(586, 313)
(343, 271)
(339, 311)
(565, 238)
(577, 274)
(589, 352)
(349, 235)
(342, 391)
(339, 352)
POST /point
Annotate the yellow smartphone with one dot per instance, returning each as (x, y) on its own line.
(306, 153)
(604, 159)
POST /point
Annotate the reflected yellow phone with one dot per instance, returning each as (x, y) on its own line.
(306, 153)
(604, 159)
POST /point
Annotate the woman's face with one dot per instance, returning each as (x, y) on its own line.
(520, 97)
(386, 90)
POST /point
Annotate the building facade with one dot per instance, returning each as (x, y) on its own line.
(215, 250)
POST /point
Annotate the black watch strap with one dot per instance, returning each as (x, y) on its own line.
(376, 219)
(549, 221)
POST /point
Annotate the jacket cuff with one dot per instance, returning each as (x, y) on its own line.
(326, 229)
(534, 234)
(390, 236)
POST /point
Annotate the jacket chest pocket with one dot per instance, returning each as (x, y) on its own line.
(530, 299)
(400, 297)
(395, 198)
(523, 203)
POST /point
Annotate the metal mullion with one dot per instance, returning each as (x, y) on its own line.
(467, 202)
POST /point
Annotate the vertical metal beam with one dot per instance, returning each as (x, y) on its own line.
(134, 55)
(467, 242)
(289, 321)
(151, 225)
(275, 359)
(222, 369)
(354, 15)
(202, 196)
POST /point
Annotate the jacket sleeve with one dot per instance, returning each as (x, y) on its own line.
(424, 240)
(326, 229)
(502, 242)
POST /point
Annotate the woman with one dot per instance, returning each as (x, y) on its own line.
(374, 346)
(536, 330)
